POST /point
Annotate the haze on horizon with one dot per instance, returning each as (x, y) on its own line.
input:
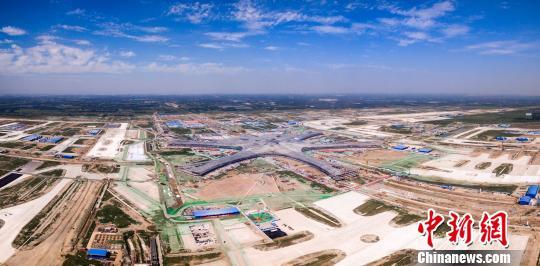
(187, 47)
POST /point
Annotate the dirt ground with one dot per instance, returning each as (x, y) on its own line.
(61, 228)
(239, 185)
(300, 167)
(377, 157)
(535, 160)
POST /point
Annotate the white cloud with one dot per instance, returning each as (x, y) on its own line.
(507, 47)
(327, 29)
(455, 30)
(211, 46)
(82, 42)
(504, 5)
(130, 31)
(416, 36)
(271, 48)
(423, 18)
(193, 12)
(12, 31)
(166, 57)
(148, 29)
(223, 45)
(256, 19)
(46, 38)
(148, 38)
(420, 24)
(187, 68)
(77, 12)
(6, 41)
(71, 27)
(227, 36)
(51, 57)
(127, 54)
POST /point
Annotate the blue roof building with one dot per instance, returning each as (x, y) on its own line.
(32, 137)
(500, 138)
(198, 214)
(174, 124)
(400, 147)
(97, 253)
(54, 139)
(525, 200)
(522, 139)
(425, 150)
(532, 191)
(94, 131)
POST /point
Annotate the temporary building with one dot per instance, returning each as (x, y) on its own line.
(97, 253)
(532, 191)
(400, 147)
(524, 200)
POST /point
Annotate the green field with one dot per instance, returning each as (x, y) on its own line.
(405, 164)
(8, 164)
(517, 116)
(492, 134)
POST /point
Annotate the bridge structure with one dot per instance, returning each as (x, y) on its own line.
(270, 145)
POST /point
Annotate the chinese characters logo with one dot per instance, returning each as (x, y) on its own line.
(492, 228)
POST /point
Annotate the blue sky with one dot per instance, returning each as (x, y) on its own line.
(156, 47)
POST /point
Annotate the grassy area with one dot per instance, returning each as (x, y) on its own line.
(517, 116)
(79, 259)
(509, 189)
(11, 195)
(47, 164)
(256, 166)
(12, 144)
(202, 131)
(180, 131)
(404, 164)
(442, 230)
(482, 165)
(399, 258)
(319, 216)
(355, 123)
(8, 164)
(285, 241)
(396, 130)
(68, 132)
(70, 149)
(503, 169)
(53, 173)
(113, 214)
(46, 147)
(185, 151)
(301, 179)
(192, 259)
(292, 174)
(79, 141)
(492, 134)
(321, 258)
(101, 168)
(373, 207)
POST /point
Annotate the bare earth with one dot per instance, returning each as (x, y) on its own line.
(237, 186)
(59, 236)
(377, 157)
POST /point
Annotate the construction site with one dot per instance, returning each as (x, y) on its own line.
(328, 187)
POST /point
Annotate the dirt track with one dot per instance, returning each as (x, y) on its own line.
(60, 227)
